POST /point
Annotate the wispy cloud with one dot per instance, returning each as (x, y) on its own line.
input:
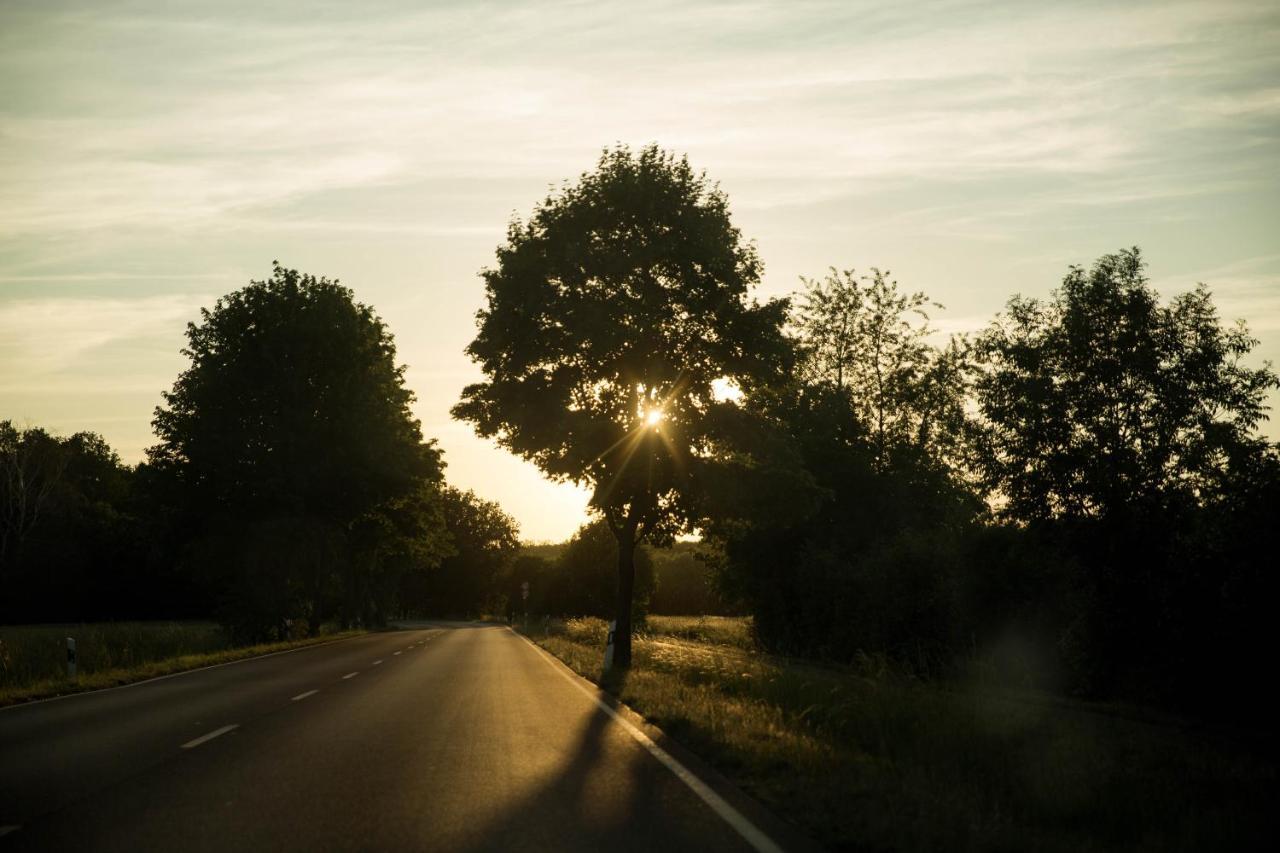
(39, 337)
(273, 110)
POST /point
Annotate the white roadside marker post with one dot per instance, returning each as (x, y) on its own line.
(71, 658)
(608, 647)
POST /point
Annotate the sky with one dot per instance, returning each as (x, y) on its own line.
(154, 156)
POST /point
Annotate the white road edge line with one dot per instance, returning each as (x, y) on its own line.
(210, 736)
(748, 830)
(302, 696)
(350, 675)
(13, 827)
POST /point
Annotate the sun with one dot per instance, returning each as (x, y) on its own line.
(653, 416)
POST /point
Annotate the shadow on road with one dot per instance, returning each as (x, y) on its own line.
(607, 795)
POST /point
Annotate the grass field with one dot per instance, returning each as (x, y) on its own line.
(875, 762)
(33, 658)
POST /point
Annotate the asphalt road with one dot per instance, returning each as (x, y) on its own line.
(457, 738)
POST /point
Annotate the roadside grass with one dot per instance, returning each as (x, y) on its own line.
(712, 630)
(33, 662)
(877, 762)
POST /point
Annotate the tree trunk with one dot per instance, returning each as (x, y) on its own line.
(626, 586)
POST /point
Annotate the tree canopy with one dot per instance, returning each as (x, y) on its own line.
(611, 316)
(484, 541)
(72, 542)
(290, 433)
(862, 334)
(1101, 398)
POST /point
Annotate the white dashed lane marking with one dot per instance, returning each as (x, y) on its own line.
(210, 736)
(305, 695)
(350, 675)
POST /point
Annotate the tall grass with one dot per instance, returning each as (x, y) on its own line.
(714, 630)
(33, 658)
(31, 653)
(877, 762)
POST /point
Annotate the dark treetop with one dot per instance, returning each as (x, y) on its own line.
(623, 295)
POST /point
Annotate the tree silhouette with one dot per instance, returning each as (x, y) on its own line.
(610, 314)
(484, 540)
(32, 463)
(70, 537)
(1102, 398)
(290, 433)
(862, 334)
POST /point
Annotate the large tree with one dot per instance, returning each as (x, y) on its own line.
(1101, 398)
(613, 316)
(290, 435)
(1121, 430)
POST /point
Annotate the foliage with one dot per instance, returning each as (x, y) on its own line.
(290, 442)
(1116, 441)
(684, 581)
(732, 631)
(80, 540)
(863, 334)
(874, 566)
(539, 573)
(611, 314)
(1124, 432)
(38, 652)
(578, 578)
(32, 463)
(584, 582)
(1101, 399)
(484, 541)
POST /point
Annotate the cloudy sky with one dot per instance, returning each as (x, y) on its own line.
(154, 156)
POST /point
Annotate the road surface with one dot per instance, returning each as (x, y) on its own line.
(457, 738)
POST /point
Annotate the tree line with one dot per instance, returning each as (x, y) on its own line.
(291, 488)
(1078, 496)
